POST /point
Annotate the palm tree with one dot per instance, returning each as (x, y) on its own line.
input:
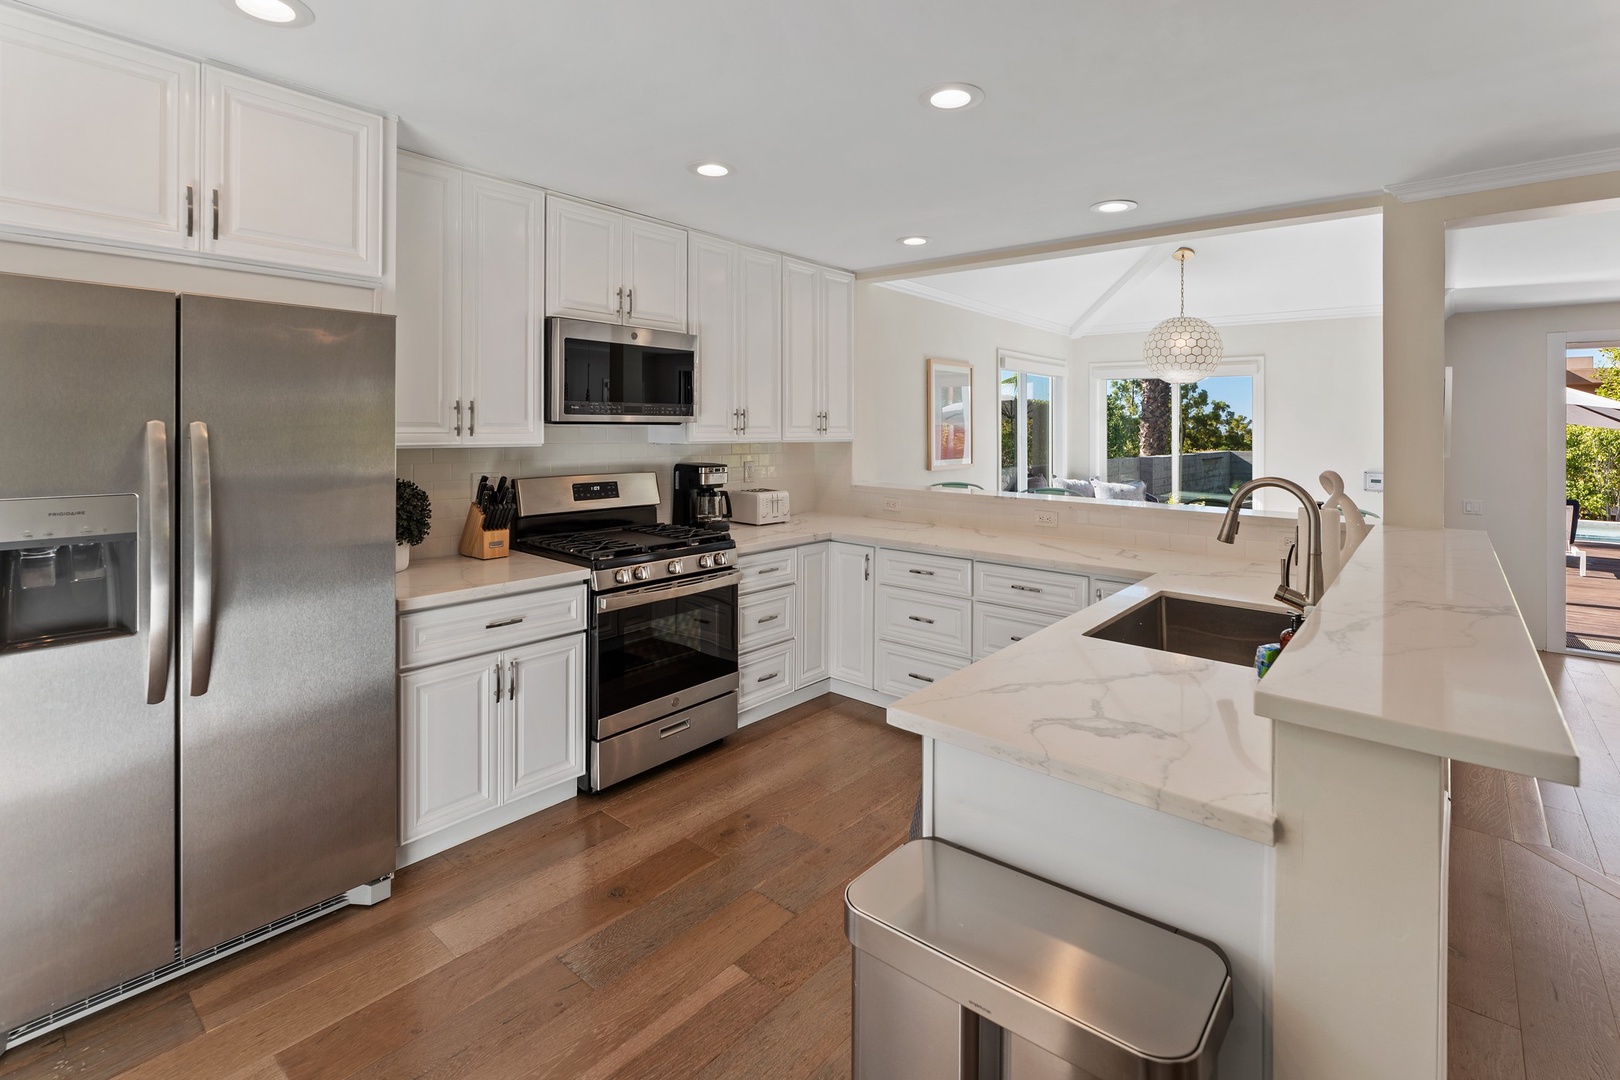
(1155, 427)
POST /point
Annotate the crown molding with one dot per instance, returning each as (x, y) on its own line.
(978, 307)
(1561, 168)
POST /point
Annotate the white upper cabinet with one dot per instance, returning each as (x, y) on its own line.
(291, 179)
(837, 355)
(502, 260)
(98, 138)
(818, 352)
(759, 343)
(607, 266)
(427, 331)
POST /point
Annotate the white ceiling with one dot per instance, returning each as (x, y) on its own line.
(1323, 269)
(1571, 258)
(1194, 109)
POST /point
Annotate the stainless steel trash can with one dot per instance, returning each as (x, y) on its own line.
(969, 970)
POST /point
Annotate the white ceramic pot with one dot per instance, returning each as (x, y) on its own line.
(402, 557)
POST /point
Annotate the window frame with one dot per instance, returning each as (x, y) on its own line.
(1024, 364)
(1102, 374)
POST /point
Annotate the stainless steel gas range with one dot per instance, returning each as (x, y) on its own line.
(662, 665)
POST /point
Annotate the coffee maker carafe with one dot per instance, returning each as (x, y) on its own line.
(699, 500)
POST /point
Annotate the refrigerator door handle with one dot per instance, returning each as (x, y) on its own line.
(159, 556)
(202, 560)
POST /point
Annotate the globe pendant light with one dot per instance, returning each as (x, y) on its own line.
(1182, 349)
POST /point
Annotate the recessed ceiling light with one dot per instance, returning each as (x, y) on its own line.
(1114, 206)
(952, 96)
(914, 241)
(280, 13)
(710, 168)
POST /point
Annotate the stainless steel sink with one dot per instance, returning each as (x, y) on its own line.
(1203, 628)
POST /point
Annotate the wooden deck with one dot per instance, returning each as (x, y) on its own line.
(1592, 604)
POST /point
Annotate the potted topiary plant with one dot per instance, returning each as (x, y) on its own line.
(413, 517)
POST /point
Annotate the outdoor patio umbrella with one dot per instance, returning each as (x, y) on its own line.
(1589, 410)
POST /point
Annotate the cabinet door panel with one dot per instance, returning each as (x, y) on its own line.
(298, 179)
(801, 372)
(654, 274)
(713, 308)
(427, 359)
(98, 138)
(547, 738)
(759, 343)
(584, 250)
(501, 312)
(810, 638)
(447, 745)
(838, 355)
(849, 613)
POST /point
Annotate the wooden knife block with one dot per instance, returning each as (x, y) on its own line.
(478, 544)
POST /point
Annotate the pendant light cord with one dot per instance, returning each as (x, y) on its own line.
(1183, 286)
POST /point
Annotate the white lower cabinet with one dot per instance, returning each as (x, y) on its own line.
(900, 670)
(810, 637)
(489, 738)
(996, 627)
(764, 675)
(849, 613)
(1102, 588)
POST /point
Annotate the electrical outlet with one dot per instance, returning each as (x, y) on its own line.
(748, 470)
(1046, 519)
(1473, 506)
(891, 505)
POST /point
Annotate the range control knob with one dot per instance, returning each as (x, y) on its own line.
(621, 576)
(640, 573)
(676, 566)
(719, 558)
(705, 561)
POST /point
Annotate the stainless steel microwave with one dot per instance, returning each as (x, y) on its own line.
(604, 373)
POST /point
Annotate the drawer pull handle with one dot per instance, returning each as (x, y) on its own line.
(674, 729)
(767, 618)
(1027, 588)
(505, 622)
(924, 573)
(768, 570)
(921, 619)
(1016, 637)
(919, 678)
(768, 678)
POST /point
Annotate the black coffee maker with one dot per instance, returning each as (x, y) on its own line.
(699, 500)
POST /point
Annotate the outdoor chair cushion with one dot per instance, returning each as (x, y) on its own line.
(1135, 491)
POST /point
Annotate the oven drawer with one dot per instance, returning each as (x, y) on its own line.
(768, 570)
(486, 626)
(764, 619)
(1033, 590)
(765, 675)
(658, 741)
(901, 671)
(909, 617)
(936, 573)
(996, 627)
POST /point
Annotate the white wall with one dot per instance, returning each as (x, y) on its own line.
(1323, 408)
(895, 336)
(1499, 436)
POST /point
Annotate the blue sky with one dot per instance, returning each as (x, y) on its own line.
(1236, 390)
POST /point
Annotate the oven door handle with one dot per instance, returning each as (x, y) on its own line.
(667, 590)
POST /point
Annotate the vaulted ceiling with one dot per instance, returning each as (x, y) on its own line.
(1191, 108)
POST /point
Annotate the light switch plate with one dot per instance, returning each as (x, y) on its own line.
(1473, 506)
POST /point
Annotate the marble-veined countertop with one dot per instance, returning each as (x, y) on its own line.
(456, 579)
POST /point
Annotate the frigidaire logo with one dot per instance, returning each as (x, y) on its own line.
(65, 513)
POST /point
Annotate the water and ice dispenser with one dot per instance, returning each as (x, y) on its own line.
(68, 570)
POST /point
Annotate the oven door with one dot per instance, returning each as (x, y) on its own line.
(661, 648)
(601, 373)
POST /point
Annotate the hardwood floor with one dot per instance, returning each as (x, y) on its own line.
(685, 924)
(1534, 987)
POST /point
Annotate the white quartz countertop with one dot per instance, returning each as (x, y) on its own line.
(1420, 645)
(456, 579)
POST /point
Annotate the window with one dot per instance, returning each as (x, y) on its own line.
(1218, 424)
(1031, 420)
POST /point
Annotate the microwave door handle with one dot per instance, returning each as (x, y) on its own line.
(159, 546)
(202, 560)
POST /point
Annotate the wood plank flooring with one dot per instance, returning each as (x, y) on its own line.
(1592, 603)
(685, 924)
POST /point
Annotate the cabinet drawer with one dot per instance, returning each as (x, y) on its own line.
(936, 573)
(996, 627)
(901, 671)
(1032, 590)
(768, 570)
(765, 618)
(1102, 588)
(932, 622)
(764, 675)
(487, 626)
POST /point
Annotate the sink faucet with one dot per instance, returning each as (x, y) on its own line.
(1314, 585)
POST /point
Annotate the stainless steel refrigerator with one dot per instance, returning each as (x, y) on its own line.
(196, 628)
